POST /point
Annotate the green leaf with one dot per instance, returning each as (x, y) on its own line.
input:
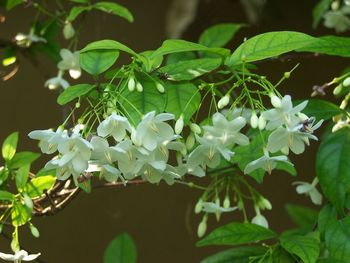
(9, 146)
(183, 98)
(108, 45)
(268, 45)
(328, 214)
(20, 214)
(319, 10)
(177, 57)
(287, 167)
(178, 45)
(22, 158)
(190, 69)
(321, 109)
(6, 196)
(329, 45)
(76, 11)
(337, 238)
(74, 92)
(236, 255)
(121, 249)
(98, 61)
(305, 247)
(333, 166)
(114, 9)
(135, 104)
(280, 255)
(10, 4)
(38, 185)
(218, 35)
(22, 176)
(301, 215)
(236, 234)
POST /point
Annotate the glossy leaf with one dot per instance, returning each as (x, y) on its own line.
(20, 214)
(121, 249)
(6, 196)
(329, 45)
(74, 92)
(218, 35)
(9, 146)
(236, 234)
(321, 109)
(236, 255)
(268, 45)
(76, 11)
(337, 237)
(306, 247)
(38, 185)
(22, 158)
(10, 4)
(108, 45)
(182, 98)
(301, 215)
(115, 9)
(22, 176)
(327, 215)
(190, 69)
(333, 166)
(97, 61)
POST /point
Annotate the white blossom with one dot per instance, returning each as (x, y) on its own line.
(310, 190)
(114, 125)
(57, 82)
(70, 62)
(19, 256)
(48, 139)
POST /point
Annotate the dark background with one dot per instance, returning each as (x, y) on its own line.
(159, 218)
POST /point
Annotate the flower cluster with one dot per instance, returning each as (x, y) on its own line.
(337, 17)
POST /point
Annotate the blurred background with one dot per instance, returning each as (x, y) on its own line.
(159, 218)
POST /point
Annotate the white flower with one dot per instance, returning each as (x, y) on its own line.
(337, 20)
(227, 132)
(102, 152)
(310, 190)
(114, 125)
(19, 256)
(283, 115)
(109, 172)
(70, 61)
(26, 40)
(265, 162)
(56, 82)
(48, 139)
(224, 101)
(210, 207)
(153, 130)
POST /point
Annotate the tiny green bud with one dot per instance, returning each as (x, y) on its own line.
(223, 101)
(190, 184)
(276, 101)
(346, 82)
(338, 90)
(254, 121)
(139, 87)
(261, 123)
(34, 230)
(68, 30)
(160, 87)
(198, 207)
(202, 227)
(131, 84)
(263, 204)
(217, 214)
(77, 105)
(226, 203)
(190, 141)
(179, 125)
(240, 205)
(27, 201)
(335, 5)
(286, 75)
(195, 128)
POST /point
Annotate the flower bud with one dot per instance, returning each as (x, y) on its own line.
(77, 105)
(261, 123)
(276, 101)
(34, 230)
(202, 228)
(254, 120)
(179, 125)
(195, 128)
(68, 30)
(190, 141)
(346, 82)
(338, 90)
(260, 220)
(335, 5)
(131, 84)
(160, 87)
(217, 214)
(139, 87)
(223, 101)
(226, 203)
(198, 207)
(286, 74)
(264, 204)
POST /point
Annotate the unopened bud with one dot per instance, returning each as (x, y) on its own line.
(195, 128)
(261, 123)
(346, 82)
(198, 207)
(286, 74)
(131, 84)
(202, 228)
(179, 125)
(226, 203)
(77, 105)
(276, 101)
(335, 5)
(68, 30)
(190, 141)
(223, 101)
(139, 87)
(254, 121)
(160, 87)
(217, 214)
(264, 204)
(338, 90)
